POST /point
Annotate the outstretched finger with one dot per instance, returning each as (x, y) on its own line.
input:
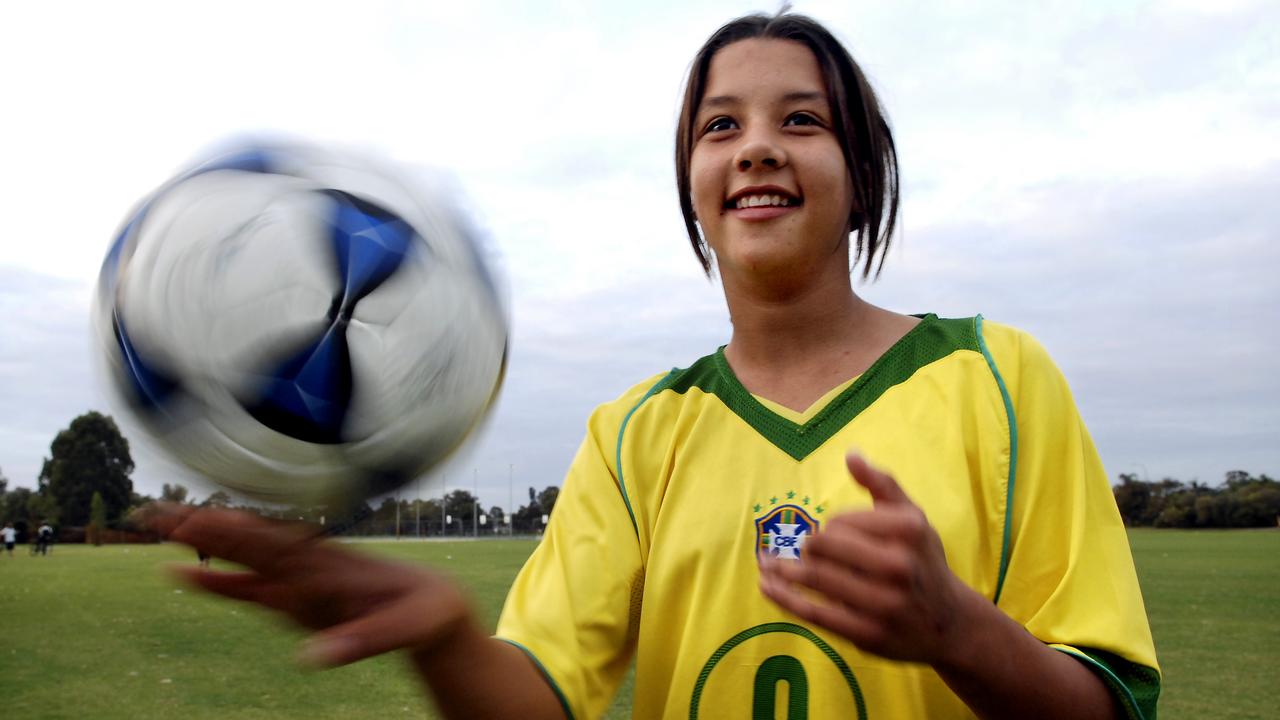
(247, 586)
(883, 488)
(836, 581)
(240, 537)
(162, 517)
(838, 618)
(412, 621)
(871, 541)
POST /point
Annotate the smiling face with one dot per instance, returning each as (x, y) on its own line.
(768, 180)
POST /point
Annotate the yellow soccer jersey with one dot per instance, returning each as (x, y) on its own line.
(681, 482)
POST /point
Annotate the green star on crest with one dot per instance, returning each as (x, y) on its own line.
(791, 494)
(773, 500)
(756, 508)
(820, 509)
(806, 499)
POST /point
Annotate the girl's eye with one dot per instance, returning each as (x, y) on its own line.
(720, 124)
(801, 118)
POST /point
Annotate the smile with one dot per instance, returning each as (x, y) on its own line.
(750, 201)
(761, 197)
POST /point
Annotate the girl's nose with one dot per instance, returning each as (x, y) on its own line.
(759, 151)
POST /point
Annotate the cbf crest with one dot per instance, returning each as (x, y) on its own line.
(782, 531)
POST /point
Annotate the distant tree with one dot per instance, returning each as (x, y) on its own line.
(1210, 511)
(1178, 512)
(1237, 478)
(382, 521)
(497, 519)
(175, 493)
(1132, 498)
(17, 508)
(432, 524)
(218, 499)
(356, 520)
(527, 519)
(97, 519)
(464, 507)
(41, 507)
(137, 501)
(1241, 501)
(418, 515)
(1257, 502)
(384, 518)
(90, 455)
(547, 499)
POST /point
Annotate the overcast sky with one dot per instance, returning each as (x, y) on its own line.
(1102, 175)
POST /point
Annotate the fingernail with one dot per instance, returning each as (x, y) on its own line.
(323, 652)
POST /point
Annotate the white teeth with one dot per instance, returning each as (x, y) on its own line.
(750, 201)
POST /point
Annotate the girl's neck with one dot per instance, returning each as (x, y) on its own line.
(792, 348)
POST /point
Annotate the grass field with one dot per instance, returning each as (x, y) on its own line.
(102, 633)
(1213, 599)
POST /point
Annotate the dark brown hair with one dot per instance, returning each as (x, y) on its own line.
(857, 120)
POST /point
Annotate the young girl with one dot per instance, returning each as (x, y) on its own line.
(715, 527)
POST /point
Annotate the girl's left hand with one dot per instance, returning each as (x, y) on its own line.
(878, 577)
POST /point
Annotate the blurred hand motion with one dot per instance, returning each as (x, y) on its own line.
(360, 606)
(878, 577)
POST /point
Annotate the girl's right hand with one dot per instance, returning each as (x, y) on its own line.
(361, 606)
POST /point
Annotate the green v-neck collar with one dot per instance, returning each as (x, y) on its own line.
(930, 340)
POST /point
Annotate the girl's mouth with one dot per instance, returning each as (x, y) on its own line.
(761, 205)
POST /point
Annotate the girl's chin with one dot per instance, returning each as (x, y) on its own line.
(765, 264)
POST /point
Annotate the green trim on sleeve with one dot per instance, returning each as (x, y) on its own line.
(1136, 687)
(618, 450)
(564, 702)
(1013, 459)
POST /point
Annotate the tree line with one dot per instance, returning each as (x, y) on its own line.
(458, 514)
(84, 482)
(1242, 501)
(85, 485)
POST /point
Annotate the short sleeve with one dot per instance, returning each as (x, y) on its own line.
(1069, 576)
(574, 605)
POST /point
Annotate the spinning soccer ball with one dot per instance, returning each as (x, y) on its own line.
(301, 326)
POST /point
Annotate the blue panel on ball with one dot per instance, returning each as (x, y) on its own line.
(112, 262)
(307, 396)
(151, 388)
(109, 277)
(370, 243)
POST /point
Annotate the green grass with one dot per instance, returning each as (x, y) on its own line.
(102, 633)
(1213, 599)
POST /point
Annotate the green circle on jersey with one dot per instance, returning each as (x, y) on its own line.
(777, 668)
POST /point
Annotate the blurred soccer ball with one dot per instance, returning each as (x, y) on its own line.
(300, 325)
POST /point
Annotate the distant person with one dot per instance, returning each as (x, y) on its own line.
(203, 557)
(44, 538)
(9, 536)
